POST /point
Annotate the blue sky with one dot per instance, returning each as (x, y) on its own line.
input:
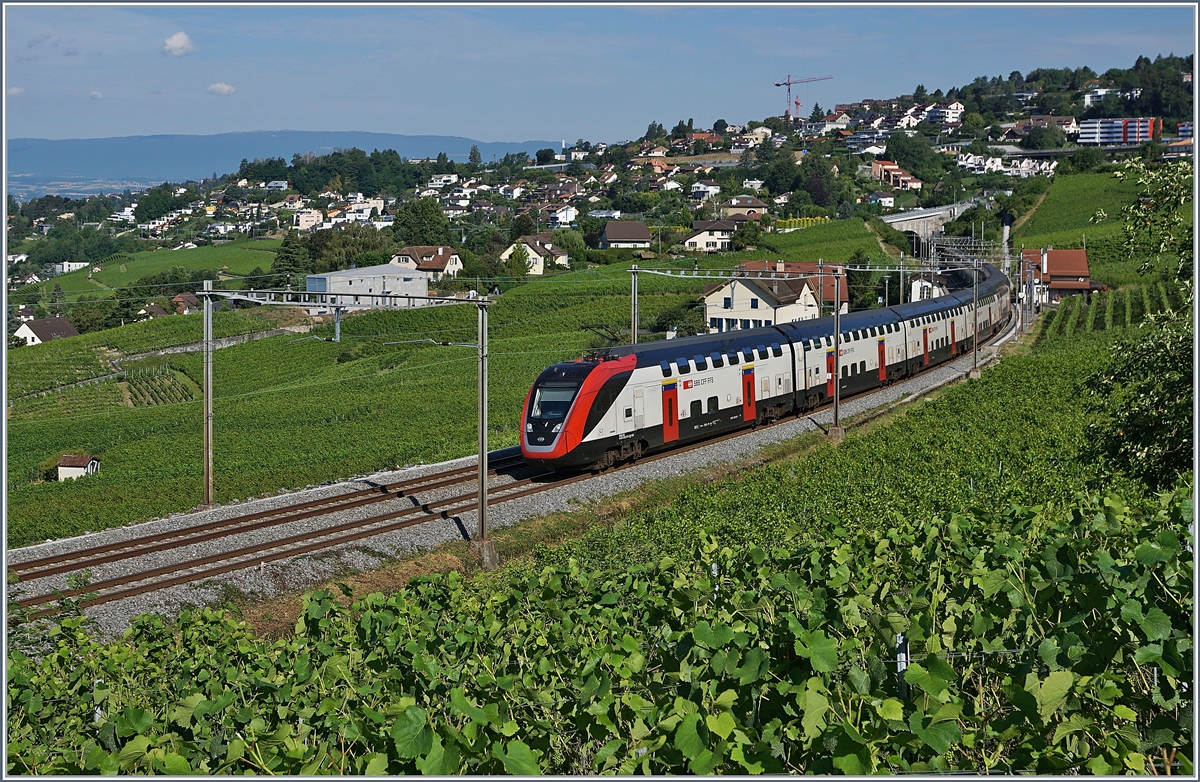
(513, 73)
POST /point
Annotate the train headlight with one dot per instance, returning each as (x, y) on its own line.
(528, 427)
(557, 428)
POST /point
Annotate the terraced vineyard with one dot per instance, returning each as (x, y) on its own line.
(1111, 309)
(160, 389)
(749, 627)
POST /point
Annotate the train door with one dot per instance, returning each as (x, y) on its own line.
(953, 340)
(882, 361)
(749, 411)
(670, 411)
(925, 343)
(639, 408)
(829, 374)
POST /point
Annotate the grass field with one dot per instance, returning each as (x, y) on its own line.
(241, 257)
(834, 241)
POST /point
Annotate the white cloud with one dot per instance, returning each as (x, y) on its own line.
(15, 90)
(221, 88)
(178, 44)
(95, 95)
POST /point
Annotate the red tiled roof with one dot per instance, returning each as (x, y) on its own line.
(74, 460)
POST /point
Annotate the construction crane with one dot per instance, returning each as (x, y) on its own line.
(787, 109)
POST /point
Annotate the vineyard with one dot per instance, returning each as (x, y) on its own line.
(160, 388)
(1126, 306)
(38, 368)
(1072, 201)
(793, 223)
(834, 241)
(841, 612)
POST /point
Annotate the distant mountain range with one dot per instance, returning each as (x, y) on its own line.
(86, 164)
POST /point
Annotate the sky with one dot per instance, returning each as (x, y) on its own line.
(516, 73)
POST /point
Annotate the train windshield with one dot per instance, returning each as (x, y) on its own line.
(552, 401)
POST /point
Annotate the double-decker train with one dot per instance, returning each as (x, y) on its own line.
(634, 399)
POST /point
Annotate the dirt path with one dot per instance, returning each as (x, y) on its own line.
(886, 248)
(1025, 217)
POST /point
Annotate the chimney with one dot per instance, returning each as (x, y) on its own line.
(779, 266)
(439, 252)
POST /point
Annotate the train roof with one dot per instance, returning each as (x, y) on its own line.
(650, 353)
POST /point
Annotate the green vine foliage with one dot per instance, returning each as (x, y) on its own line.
(1045, 642)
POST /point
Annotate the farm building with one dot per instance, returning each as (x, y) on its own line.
(74, 466)
(361, 289)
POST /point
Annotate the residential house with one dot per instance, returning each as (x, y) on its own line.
(441, 180)
(438, 262)
(886, 200)
(705, 189)
(710, 236)
(186, 303)
(889, 173)
(618, 234)
(743, 204)
(26, 313)
(69, 266)
(1068, 125)
(605, 214)
(151, 311)
(72, 466)
(540, 250)
(18, 258)
(753, 301)
(35, 332)
(277, 186)
(752, 184)
(561, 216)
(830, 122)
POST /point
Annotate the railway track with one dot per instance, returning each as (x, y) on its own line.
(204, 567)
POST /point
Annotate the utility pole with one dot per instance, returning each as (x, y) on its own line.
(208, 396)
(633, 306)
(483, 544)
(974, 373)
(837, 432)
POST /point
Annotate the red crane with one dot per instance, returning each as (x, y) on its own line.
(787, 110)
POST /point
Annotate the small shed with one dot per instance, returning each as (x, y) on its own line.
(75, 465)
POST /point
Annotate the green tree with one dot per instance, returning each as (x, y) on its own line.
(782, 175)
(57, 300)
(292, 261)
(920, 94)
(750, 235)
(1086, 158)
(1143, 400)
(817, 113)
(421, 222)
(522, 225)
(474, 158)
(518, 263)
(719, 126)
(570, 241)
(1043, 138)
(545, 156)
(680, 130)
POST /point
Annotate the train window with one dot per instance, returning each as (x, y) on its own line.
(666, 368)
(701, 363)
(697, 408)
(761, 350)
(862, 366)
(717, 361)
(733, 357)
(712, 404)
(628, 413)
(845, 371)
(684, 366)
(776, 350)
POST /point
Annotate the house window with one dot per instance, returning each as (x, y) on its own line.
(754, 304)
(728, 302)
(745, 324)
(715, 323)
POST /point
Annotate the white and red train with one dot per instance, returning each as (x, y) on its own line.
(635, 399)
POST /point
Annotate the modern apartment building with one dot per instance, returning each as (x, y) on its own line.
(1104, 132)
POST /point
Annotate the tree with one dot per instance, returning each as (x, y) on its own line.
(518, 263)
(781, 175)
(475, 158)
(1086, 158)
(680, 130)
(57, 298)
(1043, 138)
(817, 113)
(292, 260)
(1143, 399)
(421, 223)
(919, 94)
(750, 235)
(654, 130)
(545, 156)
(569, 240)
(522, 225)
(719, 126)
